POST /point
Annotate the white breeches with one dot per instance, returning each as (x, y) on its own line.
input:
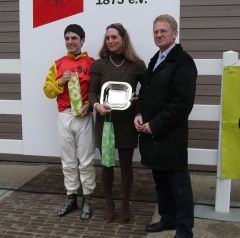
(77, 146)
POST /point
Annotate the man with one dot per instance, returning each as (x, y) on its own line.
(165, 102)
(68, 81)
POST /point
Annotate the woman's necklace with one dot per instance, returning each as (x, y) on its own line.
(116, 65)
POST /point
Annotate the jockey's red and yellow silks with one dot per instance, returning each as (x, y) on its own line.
(81, 65)
(231, 123)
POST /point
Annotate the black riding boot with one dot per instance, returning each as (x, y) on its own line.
(70, 205)
(86, 212)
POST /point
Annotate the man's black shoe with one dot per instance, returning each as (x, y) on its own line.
(70, 205)
(159, 226)
(182, 236)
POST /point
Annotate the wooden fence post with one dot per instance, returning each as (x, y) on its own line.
(223, 186)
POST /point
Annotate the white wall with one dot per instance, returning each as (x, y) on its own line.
(42, 45)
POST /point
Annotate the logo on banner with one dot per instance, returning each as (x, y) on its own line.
(57, 2)
(47, 11)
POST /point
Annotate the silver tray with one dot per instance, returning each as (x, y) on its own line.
(117, 95)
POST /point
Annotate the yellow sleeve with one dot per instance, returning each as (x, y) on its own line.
(51, 87)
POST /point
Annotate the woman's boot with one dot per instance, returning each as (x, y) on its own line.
(125, 157)
(107, 179)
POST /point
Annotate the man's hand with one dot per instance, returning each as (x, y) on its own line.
(65, 78)
(138, 122)
(103, 109)
(146, 128)
(85, 110)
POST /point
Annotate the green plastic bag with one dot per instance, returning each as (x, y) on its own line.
(75, 95)
(108, 144)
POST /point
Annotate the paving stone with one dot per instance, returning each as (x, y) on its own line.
(31, 211)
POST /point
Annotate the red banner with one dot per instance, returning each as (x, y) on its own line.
(46, 11)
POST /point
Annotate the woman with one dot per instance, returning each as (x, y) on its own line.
(118, 62)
